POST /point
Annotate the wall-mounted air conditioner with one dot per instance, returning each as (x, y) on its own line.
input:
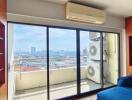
(77, 12)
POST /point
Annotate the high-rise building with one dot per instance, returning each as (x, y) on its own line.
(33, 51)
(85, 52)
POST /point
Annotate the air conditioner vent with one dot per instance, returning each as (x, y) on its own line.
(83, 13)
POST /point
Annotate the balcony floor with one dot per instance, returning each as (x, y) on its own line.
(57, 91)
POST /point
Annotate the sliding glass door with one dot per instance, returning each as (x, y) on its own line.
(90, 61)
(28, 62)
(49, 63)
(62, 63)
(111, 64)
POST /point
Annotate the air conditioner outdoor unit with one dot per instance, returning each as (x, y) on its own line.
(94, 71)
(77, 12)
(94, 51)
(95, 36)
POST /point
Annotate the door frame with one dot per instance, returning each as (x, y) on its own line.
(79, 94)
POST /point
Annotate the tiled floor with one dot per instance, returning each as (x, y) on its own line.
(93, 97)
(57, 91)
(41, 97)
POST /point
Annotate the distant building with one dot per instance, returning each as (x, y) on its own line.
(33, 51)
(85, 52)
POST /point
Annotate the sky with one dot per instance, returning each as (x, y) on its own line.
(27, 36)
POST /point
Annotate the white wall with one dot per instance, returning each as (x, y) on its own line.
(44, 9)
(40, 8)
(41, 12)
(123, 52)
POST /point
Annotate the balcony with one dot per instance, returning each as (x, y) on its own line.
(29, 85)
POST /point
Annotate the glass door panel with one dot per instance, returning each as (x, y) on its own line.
(110, 65)
(90, 61)
(29, 61)
(62, 61)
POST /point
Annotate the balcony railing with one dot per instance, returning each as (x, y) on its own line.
(38, 78)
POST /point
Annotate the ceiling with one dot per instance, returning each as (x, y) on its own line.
(117, 7)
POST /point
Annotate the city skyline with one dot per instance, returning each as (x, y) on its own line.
(27, 36)
(30, 46)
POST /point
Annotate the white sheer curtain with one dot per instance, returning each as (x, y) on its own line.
(11, 74)
(10, 46)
